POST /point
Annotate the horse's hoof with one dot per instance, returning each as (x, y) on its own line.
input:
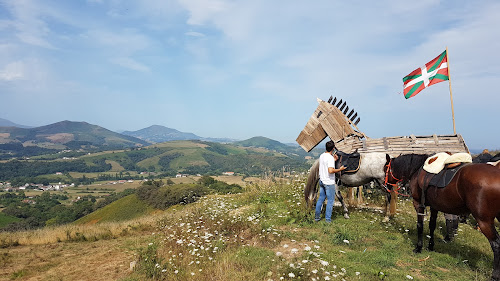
(346, 216)
(417, 250)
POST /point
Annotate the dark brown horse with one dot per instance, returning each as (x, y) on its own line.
(475, 189)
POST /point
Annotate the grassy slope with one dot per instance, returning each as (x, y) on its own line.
(267, 233)
(5, 219)
(126, 208)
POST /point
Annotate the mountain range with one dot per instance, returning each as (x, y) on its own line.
(18, 140)
(67, 135)
(7, 123)
(158, 133)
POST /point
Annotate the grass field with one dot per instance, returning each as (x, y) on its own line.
(5, 219)
(126, 208)
(265, 233)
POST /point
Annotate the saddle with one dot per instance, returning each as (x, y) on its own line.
(351, 161)
(444, 177)
(439, 180)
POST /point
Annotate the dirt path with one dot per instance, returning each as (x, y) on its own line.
(100, 260)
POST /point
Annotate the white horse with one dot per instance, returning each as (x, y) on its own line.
(371, 168)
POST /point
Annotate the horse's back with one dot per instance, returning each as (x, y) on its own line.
(481, 174)
(480, 185)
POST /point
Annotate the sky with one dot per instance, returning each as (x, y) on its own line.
(240, 69)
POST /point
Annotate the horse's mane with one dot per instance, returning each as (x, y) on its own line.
(495, 158)
(404, 166)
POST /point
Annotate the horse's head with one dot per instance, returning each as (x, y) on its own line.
(311, 189)
(390, 180)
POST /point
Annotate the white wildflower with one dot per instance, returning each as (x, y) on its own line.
(346, 241)
(409, 277)
(291, 275)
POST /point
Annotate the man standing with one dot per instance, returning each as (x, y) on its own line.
(327, 181)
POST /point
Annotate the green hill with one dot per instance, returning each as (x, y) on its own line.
(65, 135)
(263, 142)
(6, 219)
(200, 157)
(126, 208)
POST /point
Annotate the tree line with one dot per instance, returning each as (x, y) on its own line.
(46, 209)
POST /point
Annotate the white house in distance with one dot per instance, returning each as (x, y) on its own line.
(228, 173)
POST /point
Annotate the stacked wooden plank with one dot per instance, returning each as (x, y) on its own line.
(328, 120)
(394, 146)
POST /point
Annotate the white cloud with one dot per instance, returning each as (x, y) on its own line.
(202, 12)
(130, 64)
(195, 34)
(12, 71)
(27, 22)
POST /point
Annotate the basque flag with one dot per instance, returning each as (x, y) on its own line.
(431, 73)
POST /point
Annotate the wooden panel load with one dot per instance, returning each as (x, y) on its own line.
(330, 119)
(395, 146)
(327, 120)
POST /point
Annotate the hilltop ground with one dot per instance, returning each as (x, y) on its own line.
(265, 233)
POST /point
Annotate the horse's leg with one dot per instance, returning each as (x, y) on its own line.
(420, 226)
(387, 207)
(451, 226)
(432, 227)
(488, 229)
(341, 200)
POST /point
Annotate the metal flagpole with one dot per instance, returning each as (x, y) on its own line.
(451, 95)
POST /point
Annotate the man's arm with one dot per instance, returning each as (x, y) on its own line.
(332, 170)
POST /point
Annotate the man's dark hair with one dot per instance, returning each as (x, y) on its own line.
(330, 145)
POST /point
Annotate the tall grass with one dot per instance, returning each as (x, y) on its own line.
(267, 233)
(77, 233)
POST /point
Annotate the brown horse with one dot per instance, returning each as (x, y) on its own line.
(475, 189)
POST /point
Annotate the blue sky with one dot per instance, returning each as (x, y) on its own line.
(240, 69)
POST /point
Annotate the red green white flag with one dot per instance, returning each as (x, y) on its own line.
(431, 73)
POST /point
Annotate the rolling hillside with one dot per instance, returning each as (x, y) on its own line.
(126, 208)
(199, 157)
(8, 123)
(64, 135)
(274, 145)
(157, 133)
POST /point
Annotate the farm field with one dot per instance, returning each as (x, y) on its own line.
(104, 188)
(265, 233)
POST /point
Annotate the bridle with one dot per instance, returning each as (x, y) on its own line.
(396, 186)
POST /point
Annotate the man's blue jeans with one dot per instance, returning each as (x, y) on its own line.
(325, 192)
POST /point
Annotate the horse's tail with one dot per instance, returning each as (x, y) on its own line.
(310, 191)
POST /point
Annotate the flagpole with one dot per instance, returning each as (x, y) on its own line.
(451, 95)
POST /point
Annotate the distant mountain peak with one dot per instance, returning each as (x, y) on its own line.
(159, 133)
(7, 123)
